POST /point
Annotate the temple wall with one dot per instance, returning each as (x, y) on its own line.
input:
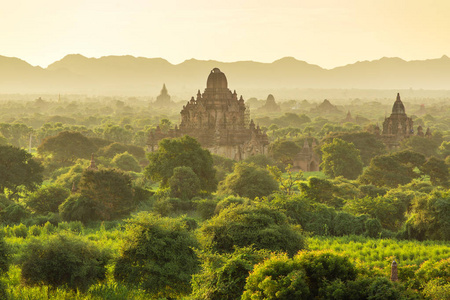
(237, 152)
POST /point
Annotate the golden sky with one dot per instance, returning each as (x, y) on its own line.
(328, 33)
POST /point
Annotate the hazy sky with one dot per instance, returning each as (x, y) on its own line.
(328, 33)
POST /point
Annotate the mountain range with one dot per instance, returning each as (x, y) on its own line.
(139, 76)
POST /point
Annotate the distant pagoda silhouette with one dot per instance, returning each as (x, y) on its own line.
(164, 98)
(398, 126)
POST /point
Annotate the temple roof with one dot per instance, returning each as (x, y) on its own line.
(217, 80)
(398, 107)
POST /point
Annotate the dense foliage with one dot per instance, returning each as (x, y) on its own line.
(157, 255)
(18, 170)
(340, 158)
(110, 190)
(219, 244)
(181, 152)
(248, 180)
(63, 260)
(245, 225)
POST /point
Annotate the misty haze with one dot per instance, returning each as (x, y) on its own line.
(225, 150)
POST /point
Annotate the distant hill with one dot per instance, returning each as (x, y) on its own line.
(128, 75)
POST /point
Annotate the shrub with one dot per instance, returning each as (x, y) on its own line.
(72, 176)
(228, 201)
(126, 162)
(260, 226)
(205, 207)
(20, 230)
(372, 190)
(110, 190)
(184, 183)
(430, 217)
(377, 288)
(157, 255)
(322, 267)
(437, 289)
(346, 224)
(79, 208)
(168, 206)
(277, 278)
(63, 259)
(4, 256)
(373, 228)
(223, 276)
(14, 213)
(47, 199)
(248, 180)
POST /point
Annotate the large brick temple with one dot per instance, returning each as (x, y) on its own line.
(218, 120)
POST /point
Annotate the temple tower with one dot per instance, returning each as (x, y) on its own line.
(217, 119)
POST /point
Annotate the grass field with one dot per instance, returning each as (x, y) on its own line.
(367, 252)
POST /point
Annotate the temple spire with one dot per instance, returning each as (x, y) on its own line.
(92, 166)
(398, 108)
(74, 188)
(394, 271)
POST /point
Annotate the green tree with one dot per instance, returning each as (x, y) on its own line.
(389, 210)
(257, 225)
(223, 276)
(47, 199)
(126, 162)
(260, 160)
(391, 170)
(287, 184)
(184, 183)
(17, 134)
(248, 180)
(158, 256)
(67, 146)
(165, 125)
(18, 171)
(80, 208)
(112, 149)
(181, 152)
(284, 151)
(429, 217)
(110, 189)
(423, 145)
(437, 170)
(72, 176)
(340, 158)
(319, 190)
(367, 143)
(118, 134)
(444, 149)
(63, 259)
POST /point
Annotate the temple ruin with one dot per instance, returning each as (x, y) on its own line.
(218, 120)
(399, 126)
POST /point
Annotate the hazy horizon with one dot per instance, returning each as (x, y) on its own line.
(327, 33)
(220, 61)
